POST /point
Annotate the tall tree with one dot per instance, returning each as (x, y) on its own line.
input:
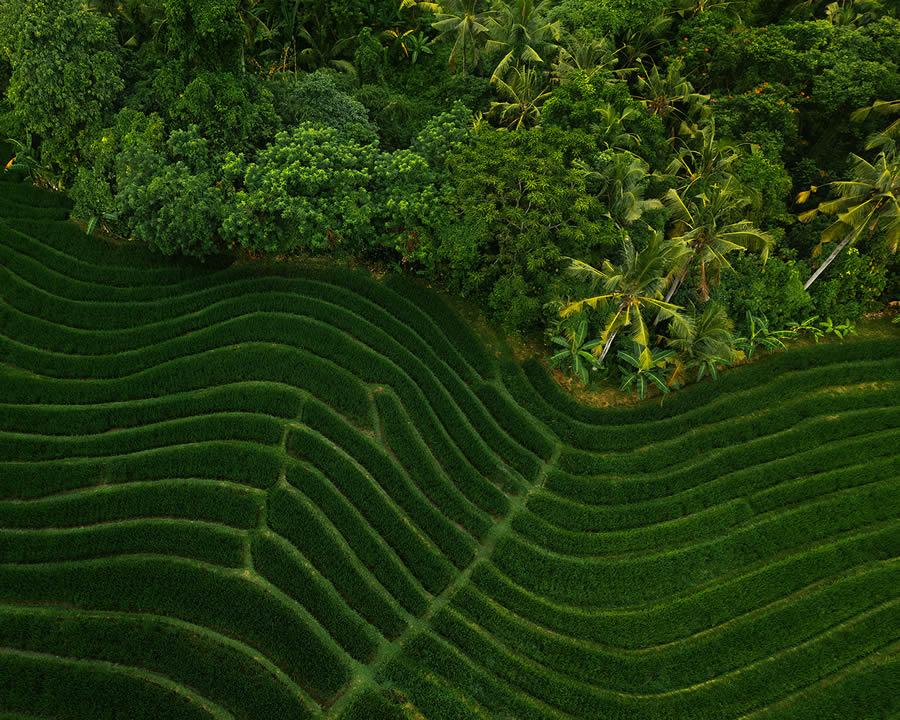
(629, 289)
(523, 96)
(621, 182)
(866, 204)
(524, 35)
(703, 223)
(470, 26)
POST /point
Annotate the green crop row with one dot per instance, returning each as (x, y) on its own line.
(478, 490)
(379, 509)
(33, 196)
(424, 693)
(246, 463)
(248, 427)
(281, 564)
(343, 561)
(227, 602)
(808, 418)
(215, 544)
(707, 607)
(250, 397)
(242, 362)
(724, 697)
(12, 211)
(514, 420)
(644, 578)
(576, 502)
(697, 659)
(703, 524)
(397, 485)
(217, 669)
(205, 500)
(409, 448)
(70, 690)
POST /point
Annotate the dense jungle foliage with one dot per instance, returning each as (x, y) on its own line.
(664, 182)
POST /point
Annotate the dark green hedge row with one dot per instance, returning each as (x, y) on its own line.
(11, 211)
(224, 601)
(725, 697)
(474, 486)
(134, 262)
(444, 317)
(279, 562)
(733, 381)
(514, 420)
(401, 436)
(249, 397)
(188, 655)
(811, 418)
(645, 578)
(725, 648)
(698, 611)
(343, 555)
(245, 463)
(71, 690)
(428, 517)
(426, 694)
(707, 483)
(422, 558)
(703, 524)
(867, 691)
(242, 362)
(248, 427)
(809, 487)
(35, 196)
(194, 499)
(215, 544)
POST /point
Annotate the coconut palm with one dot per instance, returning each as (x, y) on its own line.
(523, 34)
(672, 98)
(586, 55)
(524, 96)
(708, 160)
(621, 184)
(464, 21)
(702, 222)
(868, 203)
(629, 289)
(610, 129)
(886, 139)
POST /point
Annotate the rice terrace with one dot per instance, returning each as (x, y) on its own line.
(244, 491)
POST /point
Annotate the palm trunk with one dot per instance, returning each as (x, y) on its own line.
(677, 283)
(607, 346)
(825, 264)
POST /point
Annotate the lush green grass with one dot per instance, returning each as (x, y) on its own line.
(251, 491)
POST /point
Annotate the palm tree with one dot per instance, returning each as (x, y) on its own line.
(587, 55)
(610, 127)
(631, 287)
(703, 342)
(621, 184)
(701, 221)
(886, 139)
(523, 34)
(708, 160)
(462, 19)
(868, 202)
(671, 97)
(321, 51)
(525, 95)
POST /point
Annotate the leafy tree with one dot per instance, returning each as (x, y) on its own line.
(167, 197)
(207, 33)
(469, 26)
(703, 221)
(610, 16)
(629, 289)
(65, 76)
(866, 204)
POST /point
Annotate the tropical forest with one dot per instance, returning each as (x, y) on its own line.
(452, 360)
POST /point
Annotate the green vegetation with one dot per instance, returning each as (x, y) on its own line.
(239, 489)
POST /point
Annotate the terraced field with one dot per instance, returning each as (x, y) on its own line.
(277, 492)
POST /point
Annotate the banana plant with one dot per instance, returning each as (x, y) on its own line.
(576, 352)
(644, 369)
(842, 330)
(760, 334)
